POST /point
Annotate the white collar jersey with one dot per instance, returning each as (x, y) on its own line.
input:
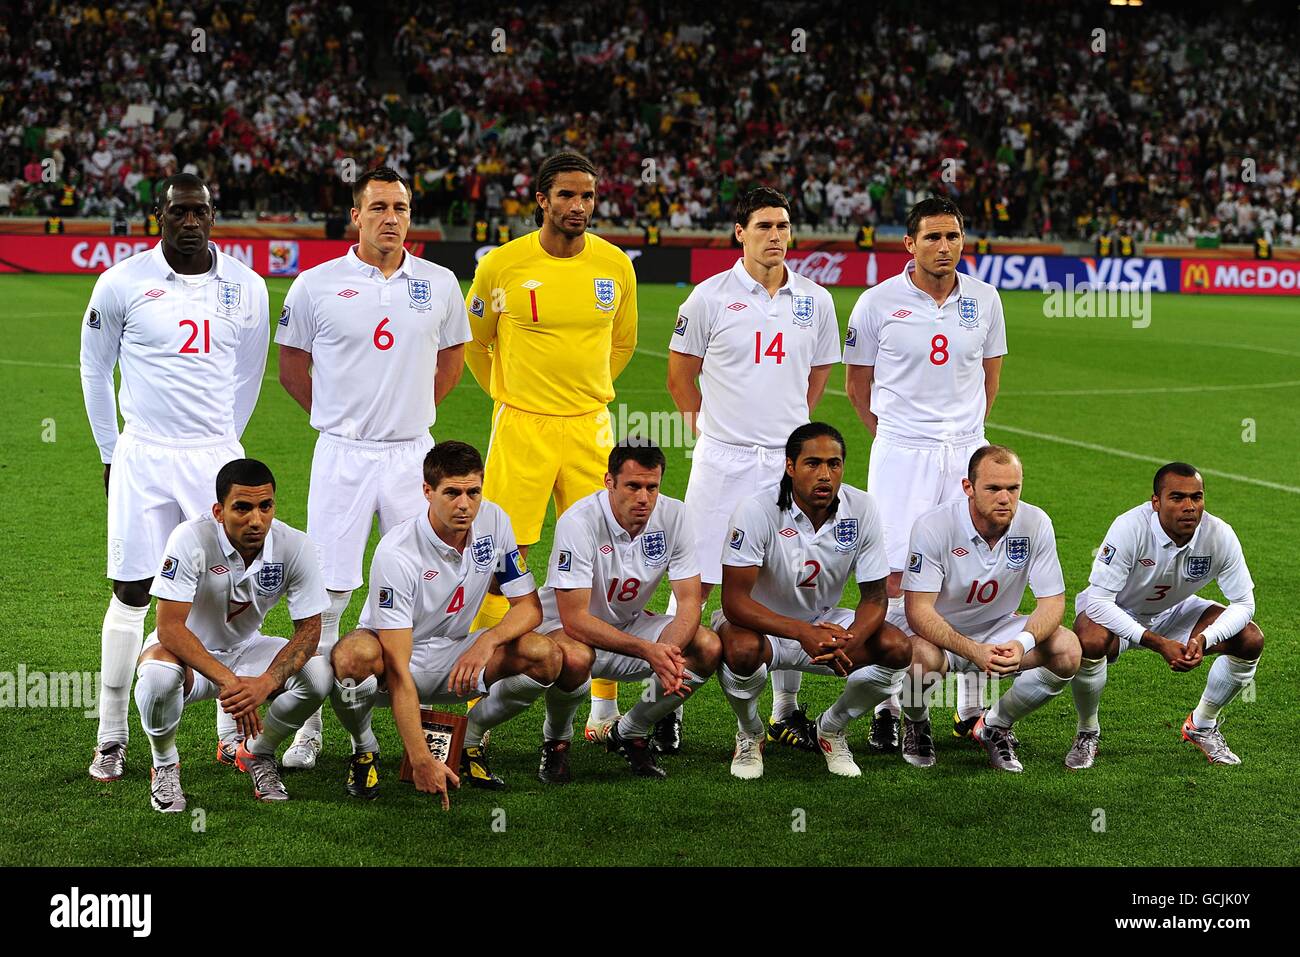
(374, 343)
(420, 582)
(758, 351)
(592, 550)
(230, 600)
(803, 571)
(928, 381)
(192, 349)
(1150, 574)
(979, 586)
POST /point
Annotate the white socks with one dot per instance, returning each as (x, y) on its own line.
(329, 637)
(506, 698)
(120, 642)
(352, 705)
(160, 697)
(1086, 686)
(302, 696)
(862, 691)
(638, 722)
(1228, 675)
(785, 693)
(602, 709)
(970, 694)
(561, 706)
(742, 693)
(1030, 691)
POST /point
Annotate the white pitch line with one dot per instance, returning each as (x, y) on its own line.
(1244, 387)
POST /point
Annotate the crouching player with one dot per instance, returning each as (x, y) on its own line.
(967, 569)
(611, 551)
(1142, 593)
(414, 644)
(787, 561)
(220, 576)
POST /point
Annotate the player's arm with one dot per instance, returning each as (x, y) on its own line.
(250, 357)
(176, 638)
(451, 362)
(295, 375)
(291, 658)
(992, 378)
(927, 623)
(484, 305)
(857, 383)
(581, 625)
(101, 343)
(818, 376)
(524, 614)
(743, 610)
(683, 385)
(405, 697)
(623, 333)
(686, 622)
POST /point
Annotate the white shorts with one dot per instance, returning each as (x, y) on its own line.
(910, 478)
(615, 667)
(431, 664)
(723, 476)
(351, 480)
(788, 654)
(1174, 623)
(153, 486)
(248, 659)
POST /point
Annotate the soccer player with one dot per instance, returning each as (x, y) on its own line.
(923, 357)
(415, 644)
(554, 318)
(188, 327)
(611, 551)
(370, 343)
(219, 576)
(748, 363)
(788, 559)
(967, 569)
(1142, 593)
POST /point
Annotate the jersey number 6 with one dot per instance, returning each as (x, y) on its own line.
(383, 338)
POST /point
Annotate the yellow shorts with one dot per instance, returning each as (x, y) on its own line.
(532, 457)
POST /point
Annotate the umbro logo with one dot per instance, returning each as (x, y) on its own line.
(1145, 562)
(430, 575)
(155, 293)
(736, 306)
(605, 549)
(960, 552)
(902, 313)
(789, 532)
(218, 569)
(348, 293)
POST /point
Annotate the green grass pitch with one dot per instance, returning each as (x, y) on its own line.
(1091, 404)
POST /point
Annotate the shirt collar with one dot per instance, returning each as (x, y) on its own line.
(752, 285)
(373, 272)
(441, 547)
(910, 269)
(231, 552)
(972, 533)
(618, 531)
(1162, 537)
(165, 268)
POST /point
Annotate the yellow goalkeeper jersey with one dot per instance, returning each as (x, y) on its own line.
(551, 335)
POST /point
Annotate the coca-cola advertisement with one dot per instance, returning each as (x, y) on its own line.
(821, 266)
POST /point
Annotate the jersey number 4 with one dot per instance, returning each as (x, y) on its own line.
(457, 600)
(774, 348)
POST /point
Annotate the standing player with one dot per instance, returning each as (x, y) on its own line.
(219, 577)
(188, 326)
(761, 340)
(370, 343)
(787, 562)
(427, 578)
(554, 318)
(1142, 593)
(967, 570)
(923, 357)
(611, 551)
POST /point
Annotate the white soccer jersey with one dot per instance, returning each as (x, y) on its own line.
(420, 582)
(979, 586)
(758, 351)
(592, 550)
(803, 571)
(192, 349)
(374, 343)
(230, 600)
(1150, 574)
(929, 374)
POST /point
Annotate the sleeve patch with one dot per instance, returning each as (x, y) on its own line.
(737, 538)
(284, 316)
(1106, 554)
(513, 567)
(914, 562)
(682, 322)
(92, 320)
(564, 562)
(851, 339)
(169, 568)
(476, 306)
(385, 598)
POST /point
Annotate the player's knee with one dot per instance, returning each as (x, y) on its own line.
(543, 659)
(357, 656)
(1067, 653)
(318, 677)
(893, 650)
(926, 657)
(740, 649)
(577, 661)
(1094, 641)
(135, 594)
(1250, 642)
(706, 648)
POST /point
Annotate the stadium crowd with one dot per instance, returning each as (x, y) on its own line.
(1177, 128)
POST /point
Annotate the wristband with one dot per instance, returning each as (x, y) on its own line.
(1027, 641)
